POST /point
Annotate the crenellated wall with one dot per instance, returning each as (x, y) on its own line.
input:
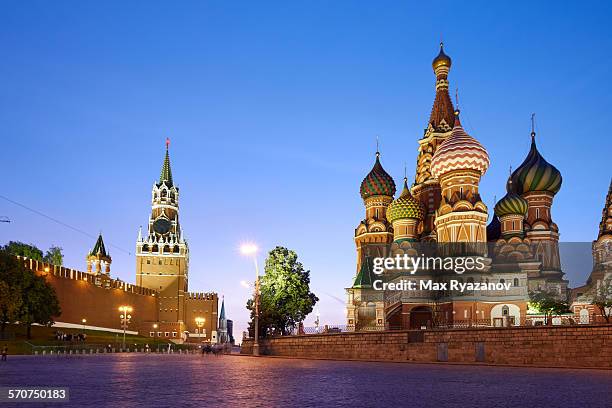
(96, 298)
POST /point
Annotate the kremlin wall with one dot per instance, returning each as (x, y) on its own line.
(88, 296)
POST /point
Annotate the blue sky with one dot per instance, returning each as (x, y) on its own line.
(272, 109)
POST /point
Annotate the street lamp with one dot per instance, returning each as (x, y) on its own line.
(200, 323)
(155, 326)
(125, 320)
(251, 250)
(83, 321)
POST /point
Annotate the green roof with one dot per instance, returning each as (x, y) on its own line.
(99, 248)
(166, 171)
(364, 277)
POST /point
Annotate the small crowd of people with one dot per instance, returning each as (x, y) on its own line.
(216, 349)
(59, 335)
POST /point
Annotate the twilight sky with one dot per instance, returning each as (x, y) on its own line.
(272, 109)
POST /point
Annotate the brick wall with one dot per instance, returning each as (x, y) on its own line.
(80, 298)
(568, 346)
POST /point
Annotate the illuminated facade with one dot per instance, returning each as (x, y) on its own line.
(443, 209)
(162, 264)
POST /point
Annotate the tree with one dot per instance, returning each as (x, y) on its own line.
(10, 303)
(27, 250)
(602, 297)
(11, 272)
(285, 296)
(30, 298)
(39, 304)
(549, 303)
(54, 256)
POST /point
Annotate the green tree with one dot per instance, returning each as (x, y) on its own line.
(10, 303)
(33, 300)
(39, 304)
(549, 303)
(11, 271)
(285, 296)
(27, 250)
(602, 298)
(54, 256)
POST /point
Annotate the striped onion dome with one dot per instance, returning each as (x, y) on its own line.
(535, 173)
(377, 182)
(459, 151)
(405, 206)
(511, 203)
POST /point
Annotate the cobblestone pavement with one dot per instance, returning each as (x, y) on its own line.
(139, 380)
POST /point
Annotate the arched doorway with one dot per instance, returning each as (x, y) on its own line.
(420, 316)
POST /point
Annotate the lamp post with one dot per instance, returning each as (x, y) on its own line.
(155, 326)
(83, 321)
(200, 323)
(125, 320)
(251, 250)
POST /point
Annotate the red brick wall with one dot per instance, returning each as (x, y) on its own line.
(570, 346)
(80, 298)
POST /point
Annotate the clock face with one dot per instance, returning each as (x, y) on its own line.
(161, 226)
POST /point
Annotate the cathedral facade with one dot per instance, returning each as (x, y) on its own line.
(442, 212)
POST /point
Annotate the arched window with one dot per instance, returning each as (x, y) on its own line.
(516, 282)
(145, 248)
(505, 310)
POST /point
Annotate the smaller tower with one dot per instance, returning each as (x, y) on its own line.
(222, 330)
(537, 181)
(374, 233)
(98, 259)
(511, 210)
(458, 164)
(406, 215)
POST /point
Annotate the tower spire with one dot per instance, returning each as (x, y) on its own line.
(166, 171)
(377, 147)
(441, 118)
(533, 127)
(605, 226)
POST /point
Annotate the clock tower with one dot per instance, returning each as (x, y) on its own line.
(162, 254)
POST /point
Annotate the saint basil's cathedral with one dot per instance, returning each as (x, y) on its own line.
(443, 209)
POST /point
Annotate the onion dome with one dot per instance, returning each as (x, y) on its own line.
(442, 60)
(511, 203)
(535, 173)
(494, 229)
(459, 151)
(377, 182)
(405, 206)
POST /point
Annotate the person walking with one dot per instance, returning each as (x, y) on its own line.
(4, 353)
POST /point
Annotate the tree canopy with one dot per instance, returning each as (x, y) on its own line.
(602, 297)
(285, 296)
(24, 296)
(549, 303)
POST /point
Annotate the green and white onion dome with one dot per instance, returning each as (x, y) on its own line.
(535, 174)
(511, 203)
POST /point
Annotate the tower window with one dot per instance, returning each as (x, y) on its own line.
(505, 310)
(516, 282)
(537, 213)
